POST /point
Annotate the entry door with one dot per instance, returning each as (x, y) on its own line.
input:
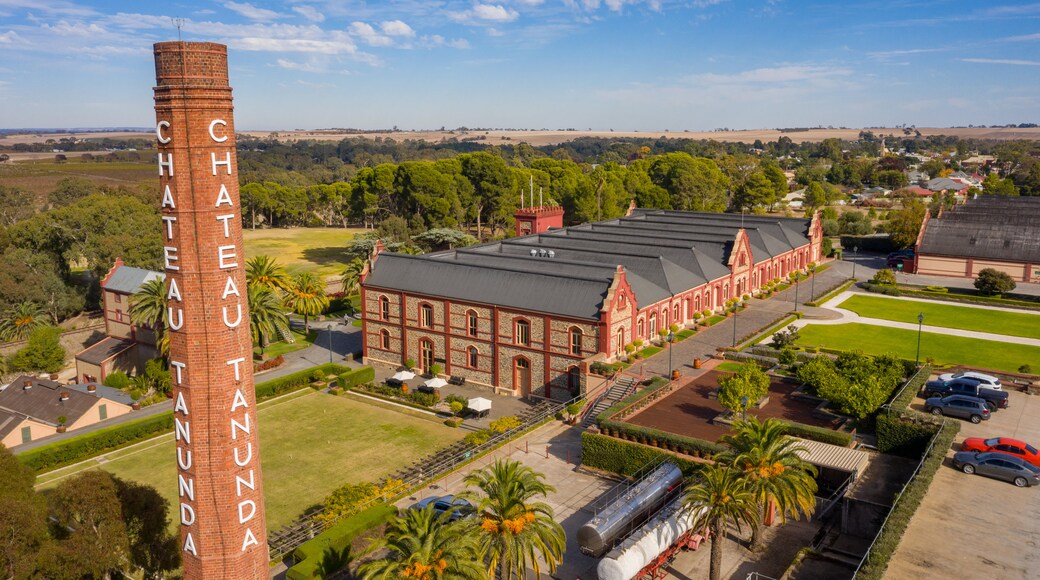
(522, 376)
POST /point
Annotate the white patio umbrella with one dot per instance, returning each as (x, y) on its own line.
(436, 383)
(404, 375)
(479, 404)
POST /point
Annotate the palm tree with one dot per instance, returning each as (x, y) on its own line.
(20, 321)
(307, 297)
(769, 461)
(719, 498)
(425, 545)
(266, 314)
(352, 275)
(148, 309)
(265, 271)
(514, 530)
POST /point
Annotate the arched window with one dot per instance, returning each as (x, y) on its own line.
(522, 333)
(640, 327)
(472, 357)
(697, 303)
(425, 355)
(471, 322)
(384, 308)
(384, 339)
(725, 291)
(575, 341)
(653, 325)
(619, 344)
(675, 314)
(426, 316)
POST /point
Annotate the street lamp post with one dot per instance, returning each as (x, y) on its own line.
(797, 276)
(330, 342)
(736, 306)
(812, 290)
(920, 324)
(855, 252)
(671, 369)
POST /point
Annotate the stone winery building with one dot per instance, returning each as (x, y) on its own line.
(526, 315)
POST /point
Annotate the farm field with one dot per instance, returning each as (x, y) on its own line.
(311, 444)
(944, 349)
(41, 176)
(946, 315)
(318, 250)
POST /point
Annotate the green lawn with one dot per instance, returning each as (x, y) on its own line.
(944, 349)
(945, 315)
(318, 250)
(310, 445)
(302, 342)
(729, 367)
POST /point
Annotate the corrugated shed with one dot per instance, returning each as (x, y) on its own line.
(834, 456)
(988, 227)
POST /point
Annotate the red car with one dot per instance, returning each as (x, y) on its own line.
(1014, 447)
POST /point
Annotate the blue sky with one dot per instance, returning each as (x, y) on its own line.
(600, 64)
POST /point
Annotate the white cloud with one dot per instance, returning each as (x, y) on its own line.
(774, 75)
(9, 37)
(314, 65)
(396, 28)
(76, 28)
(1010, 61)
(1024, 37)
(365, 32)
(481, 13)
(50, 7)
(495, 32)
(436, 41)
(887, 54)
(310, 13)
(252, 12)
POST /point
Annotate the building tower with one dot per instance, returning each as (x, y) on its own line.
(221, 508)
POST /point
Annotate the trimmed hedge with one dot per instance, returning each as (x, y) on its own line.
(337, 538)
(904, 435)
(821, 434)
(72, 450)
(621, 457)
(351, 379)
(75, 449)
(646, 435)
(291, 382)
(841, 287)
(906, 396)
(906, 504)
(880, 244)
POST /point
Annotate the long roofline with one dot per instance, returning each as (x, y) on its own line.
(502, 268)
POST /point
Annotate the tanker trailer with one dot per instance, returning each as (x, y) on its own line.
(652, 546)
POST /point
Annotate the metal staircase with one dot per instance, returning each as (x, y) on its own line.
(622, 387)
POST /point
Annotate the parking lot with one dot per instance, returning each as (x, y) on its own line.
(970, 526)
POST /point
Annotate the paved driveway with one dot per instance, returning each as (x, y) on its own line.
(970, 526)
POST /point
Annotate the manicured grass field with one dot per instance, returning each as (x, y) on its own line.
(944, 349)
(311, 444)
(729, 367)
(945, 315)
(318, 250)
(302, 342)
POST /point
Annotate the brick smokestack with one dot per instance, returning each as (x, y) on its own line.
(220, 504)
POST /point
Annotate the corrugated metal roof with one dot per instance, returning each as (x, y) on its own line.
(989, 227)
(103, 350)
(44, 400)
(127, 279)
(834, 456)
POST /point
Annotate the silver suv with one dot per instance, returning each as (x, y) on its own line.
(984, 380)
(973, 409)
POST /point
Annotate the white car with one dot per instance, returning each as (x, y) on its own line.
(985, 381)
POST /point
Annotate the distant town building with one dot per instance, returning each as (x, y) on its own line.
(986, 232)
(527, 315)
(32, 408)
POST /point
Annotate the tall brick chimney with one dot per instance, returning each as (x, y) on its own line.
(221, 507)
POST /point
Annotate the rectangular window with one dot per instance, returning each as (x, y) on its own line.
(471, 323)
(102, 412)
(575, 342)
(26, 434)
(117, 298)
(473, 357)
(426, 316)
(523, 333)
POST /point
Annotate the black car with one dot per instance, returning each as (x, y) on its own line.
(998, 465)
(965, 386)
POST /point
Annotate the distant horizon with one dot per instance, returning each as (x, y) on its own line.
(666, 65)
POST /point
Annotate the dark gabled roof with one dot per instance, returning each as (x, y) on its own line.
(574, 296)
(9, 422)
(987, 227)
(663, 253)
(127, 279)
(43, 401)
(103, 350)
(104, 392)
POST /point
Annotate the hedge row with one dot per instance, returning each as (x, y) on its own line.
(334, 541)
(906, 396)
(957, 297)
(622, 457)
(841, 287)
(76, 449)
(904, 435)
(79, 448)
(777, 325)
(906, 504)
(656, 438)
(821, 434)
(351, 379)
(880, 244)
(291, 382)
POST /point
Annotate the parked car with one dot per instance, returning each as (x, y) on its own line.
(973, 409)
(999, 466)
(965, 386)
(904, 253)
(988, 381)
(462, 508)
(1014, 447)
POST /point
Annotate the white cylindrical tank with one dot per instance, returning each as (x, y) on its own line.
(636, 552)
